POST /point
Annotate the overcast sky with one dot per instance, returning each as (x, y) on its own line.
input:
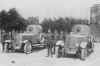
(50, 8)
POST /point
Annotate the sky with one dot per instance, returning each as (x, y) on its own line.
(50, 8)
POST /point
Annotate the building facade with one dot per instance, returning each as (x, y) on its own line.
(95, 14)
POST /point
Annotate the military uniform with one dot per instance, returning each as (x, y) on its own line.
(50, 44)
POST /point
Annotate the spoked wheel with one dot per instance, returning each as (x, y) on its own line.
(28, 47)
(83, 54)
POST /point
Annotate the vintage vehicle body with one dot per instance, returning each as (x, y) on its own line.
(79, 42)
(26, 41)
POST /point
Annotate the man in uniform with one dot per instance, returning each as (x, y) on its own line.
(50, 44)
(56, 37)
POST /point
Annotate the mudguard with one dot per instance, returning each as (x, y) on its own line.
(7, 41)
(83, 44)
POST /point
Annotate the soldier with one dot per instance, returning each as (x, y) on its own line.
(50, 44)
(4, 35)
(62, 37)
(56, 37)
(53, 43)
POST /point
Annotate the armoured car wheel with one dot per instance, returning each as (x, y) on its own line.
(60, 52)
(28, 47)
(5, 47)
(57, 52)
(83, 54)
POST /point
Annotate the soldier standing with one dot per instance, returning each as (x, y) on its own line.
(54, 44)
(55, 38)
(50, 44)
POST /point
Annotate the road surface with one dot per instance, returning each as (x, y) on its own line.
(39, 59)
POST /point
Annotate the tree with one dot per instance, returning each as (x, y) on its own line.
(11, 20)
(54, 25)
(45, 25)
(3, 19)
(61, 24)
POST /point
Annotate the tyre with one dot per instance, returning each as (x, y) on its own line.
(57, 52)
(83, 54)
(28, 47)
(5, 47)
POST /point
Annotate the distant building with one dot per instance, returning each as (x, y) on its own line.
(95, 14)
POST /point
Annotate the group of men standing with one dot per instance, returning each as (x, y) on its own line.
(51, 42)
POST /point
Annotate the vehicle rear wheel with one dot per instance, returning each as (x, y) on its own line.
(83, 54)
(28, 47)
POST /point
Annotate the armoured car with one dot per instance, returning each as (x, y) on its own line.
(32, 37)
(79, 42)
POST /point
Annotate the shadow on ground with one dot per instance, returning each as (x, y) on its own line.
(35, 49)
(73, 56)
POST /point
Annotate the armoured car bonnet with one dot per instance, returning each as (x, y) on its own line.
(82, 29)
